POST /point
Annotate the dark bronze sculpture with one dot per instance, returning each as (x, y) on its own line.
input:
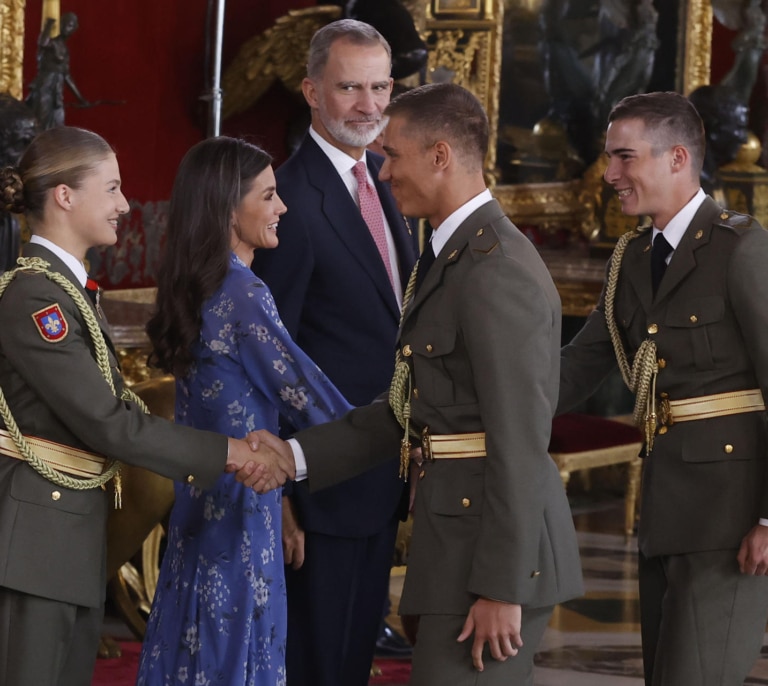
(748, 18)
(724, 107)
(17, 129)
(46, 92)
(585, 81)
(725, 125)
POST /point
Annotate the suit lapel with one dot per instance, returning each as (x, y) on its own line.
(636, 269)
(684, 259)
(452, 251)
(344, 218)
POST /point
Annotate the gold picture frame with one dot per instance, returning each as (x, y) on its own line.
(468, 49)
(453, 8)
(12, 47)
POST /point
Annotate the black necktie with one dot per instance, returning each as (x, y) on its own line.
(659, 252)
(425, 262)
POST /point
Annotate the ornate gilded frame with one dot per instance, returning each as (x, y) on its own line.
(470, 50)
(11, 46)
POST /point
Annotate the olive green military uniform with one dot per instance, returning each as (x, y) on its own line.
(704, 482)
(52, 538)
(482, 339)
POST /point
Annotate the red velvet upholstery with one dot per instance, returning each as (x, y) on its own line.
(575, 432)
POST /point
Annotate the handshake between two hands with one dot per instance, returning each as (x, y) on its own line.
(261, 461)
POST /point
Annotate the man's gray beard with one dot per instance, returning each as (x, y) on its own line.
(358, 139)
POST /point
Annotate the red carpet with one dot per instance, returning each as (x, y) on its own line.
(122, 671)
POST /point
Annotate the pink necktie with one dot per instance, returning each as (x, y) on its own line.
(370, 208)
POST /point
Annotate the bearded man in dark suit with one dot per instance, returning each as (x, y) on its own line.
(338, 284)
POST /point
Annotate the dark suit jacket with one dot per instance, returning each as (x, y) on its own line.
(333, 294)
(711, 312)
(484, 336)
(50, 546)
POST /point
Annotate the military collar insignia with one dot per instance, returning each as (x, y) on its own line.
(51, 324)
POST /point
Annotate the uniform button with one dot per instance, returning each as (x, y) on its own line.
(653, 328)
(724, 215)
(480, 232)
(407, 350)
(429, 347)
(422, 474)
(662, 430)
(56, 495)
(465, 502)
(699, 234)
(694, 319)
(416, 393)
(535, 573)
(662, 363)
(664, 394)
(728, 448)
(190, 479)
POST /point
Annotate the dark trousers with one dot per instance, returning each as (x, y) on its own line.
(702, 621)
(438, 660)
(334, 608)
(46, 642)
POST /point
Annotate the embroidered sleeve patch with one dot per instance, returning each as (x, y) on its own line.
(51, 324)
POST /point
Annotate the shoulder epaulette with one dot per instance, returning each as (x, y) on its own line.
(484, 240)
(737, 221)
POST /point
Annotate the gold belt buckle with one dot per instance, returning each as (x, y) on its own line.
(426, 445)
(665, 413)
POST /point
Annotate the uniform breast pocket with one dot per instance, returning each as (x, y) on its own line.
(697, 320)
(29, 487)
(431, 347)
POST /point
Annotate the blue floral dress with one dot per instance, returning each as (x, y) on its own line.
(219, 612)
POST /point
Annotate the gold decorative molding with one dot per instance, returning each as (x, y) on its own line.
(12, 47)
(467, 51)
(695, 44)
(549, 206)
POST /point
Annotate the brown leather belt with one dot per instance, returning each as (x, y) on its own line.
(63, 458)
(707, 406)
(452, 446)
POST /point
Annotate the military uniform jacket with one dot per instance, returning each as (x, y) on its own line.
(482, 337)
(53, 539)
(704, 482)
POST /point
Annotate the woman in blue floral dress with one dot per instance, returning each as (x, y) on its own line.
(219, 613)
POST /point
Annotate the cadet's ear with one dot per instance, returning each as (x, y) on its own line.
(680, 157)
(62, 196)
(442, 154)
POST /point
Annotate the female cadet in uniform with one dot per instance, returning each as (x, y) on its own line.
(66, 415)
(219, 613)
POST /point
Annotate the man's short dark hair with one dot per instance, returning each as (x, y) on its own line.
(670, 119)
(445, 111)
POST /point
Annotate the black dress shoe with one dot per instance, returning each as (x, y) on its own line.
(392, 644)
